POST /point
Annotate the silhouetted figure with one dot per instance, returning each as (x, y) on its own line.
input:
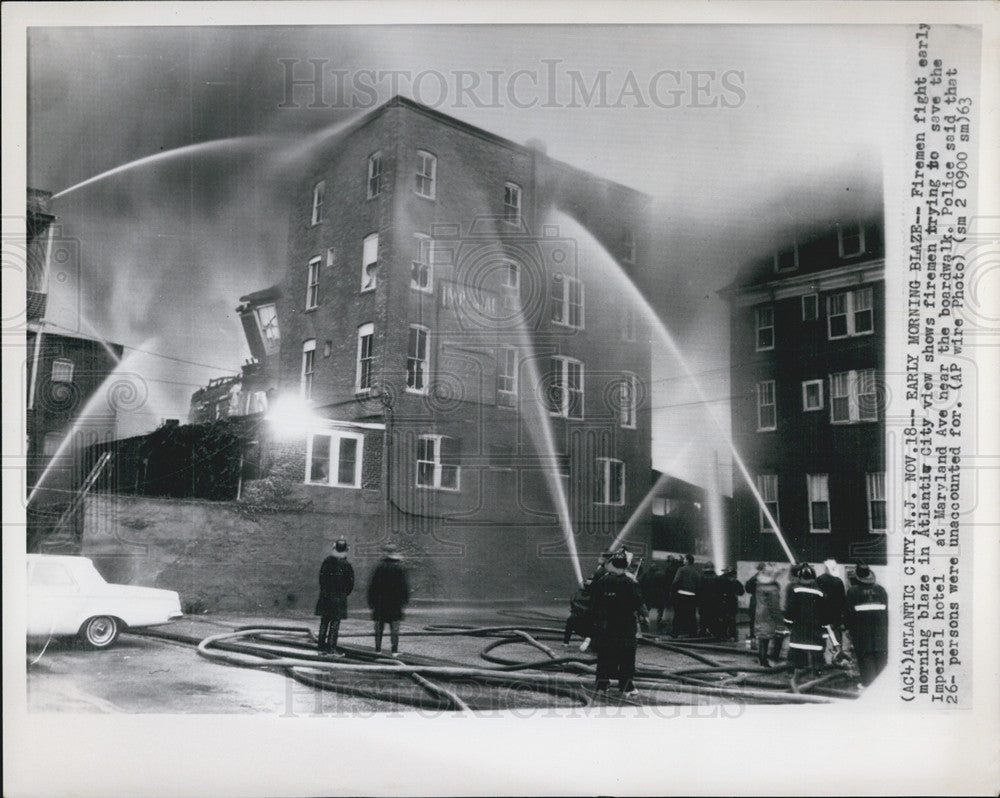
(708, 602)
(767, 608)
(866, 617)
(579, 613)
(336, 581)
(685, 594)
(804, 613)
(730, 589)
(388, 593)
(616, 601)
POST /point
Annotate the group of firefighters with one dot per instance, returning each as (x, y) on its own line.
(611, 608)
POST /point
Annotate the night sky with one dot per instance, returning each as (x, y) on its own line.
(167, 249)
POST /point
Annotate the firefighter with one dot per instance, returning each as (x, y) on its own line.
(804, 614)
(709, 599)
(867, 620)
(685, 590)
(655, 590)
(336, 581)
(730, 589)
(833, 591)
(579, 614)
(616, 601)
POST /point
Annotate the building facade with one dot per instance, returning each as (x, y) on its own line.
(451, 369)
(807, 364)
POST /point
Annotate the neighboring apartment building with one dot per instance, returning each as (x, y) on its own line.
(430, 302)
(807, 361)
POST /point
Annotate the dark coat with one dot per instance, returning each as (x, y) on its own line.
(336, 581)
(834, 591)
(580, 603)
(767, 618)
(655, 587)
(615, 600)
(804, 612)
(388, 590)
(669, 574)
(867, 618)
(686, 580)
(730, 589)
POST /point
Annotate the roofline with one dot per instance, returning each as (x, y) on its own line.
(731, 292)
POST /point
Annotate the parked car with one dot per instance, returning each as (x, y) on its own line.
(67, 596)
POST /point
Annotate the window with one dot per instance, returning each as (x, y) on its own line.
(334, 458)
(308, 367)
(567, 301)
(609, 485)
(51, 443)
(507, 377)
(438, 462)
(853, 397)
(767, 415)
(50, 574)
(331, 255)
(374, 175)
(875, 484)
(426, 174)
(810, 307)
(627, 327)
(421, 270)
(512, 203)
(267, 319)
(628, 397)
(812, 395)
(628, 247)
(364, 378)
(767, 486)
(510, 275)
(851, 240)
(765, 328)
(312, 287)
(819, 502)
(850, 313)
(416, 360)
(369, 262)
(788, 260)
(565, 395)
(660, 506)
(317, 207)
(62, 370)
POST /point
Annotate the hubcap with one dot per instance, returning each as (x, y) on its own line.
(102, 630)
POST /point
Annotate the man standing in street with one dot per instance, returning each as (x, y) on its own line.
(833, 591)
(685, 591)
(616, 600)
(388, 593)
(336, 581)
(866, 617)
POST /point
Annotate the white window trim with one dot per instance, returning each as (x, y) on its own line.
(307, 346)
(606, 480)
(511, 267)
(363, 330)
(627, 329)
(849, 311)
(427, 360)
(628, 247)
(805, 404)
(764, 528)
(761, 405)
(319, 191)
(758, 327)
(565, 280)
(68, 364)
(312, 298)
(868, 503)
(516, 221)
(633, 400)
(829, 510)
(853, 398)
(815, 297)
(421, 156)
(334, 468)
(420, 238)
(840, 242)
(264, 337)
(364, 265)
(437, 462)
(375, 157)
(795, 258)
(563, 378)
(513, 392)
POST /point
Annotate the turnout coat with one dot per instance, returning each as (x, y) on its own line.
(833, 589)
(866, 617)
(805, 612)
(615, 599)
(336, 581)
(388, 590)
(767, 618)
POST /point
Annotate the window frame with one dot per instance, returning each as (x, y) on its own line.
(761, 404)
(762, 480)
(631, 395)
(366, 330)
(861, 241)
(854, 382)
(758, 327)
(308, 373)
(850, 312)
(511, 267)
(811, 481)
(312, 283)
(512, 211)
(795, 259)
(605, 468)
(369, 269)
(815, 298)
(564, 303)
(627, 329)
(870, 499)
(318, 198)
(64, 364)
(423, 158)
(805, 404)
(264, 328)
(507, 358)
(628, 246)
(374, 175)
(415, 358)
(562, 380)
(333, 467)
(427, 265)
(438, 464)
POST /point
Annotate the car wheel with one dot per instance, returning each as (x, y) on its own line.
(100, 631)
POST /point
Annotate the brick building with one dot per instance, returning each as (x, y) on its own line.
(446, 361)
(807, 364)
